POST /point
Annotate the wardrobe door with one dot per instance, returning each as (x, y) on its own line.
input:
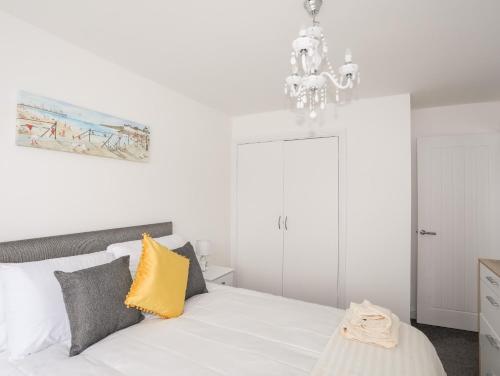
(311, 237)
(259, 255)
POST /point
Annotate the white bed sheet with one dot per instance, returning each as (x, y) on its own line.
(233, 332)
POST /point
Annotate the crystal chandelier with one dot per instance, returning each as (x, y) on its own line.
(312, 70)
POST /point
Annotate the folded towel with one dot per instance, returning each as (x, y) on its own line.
(369, 323)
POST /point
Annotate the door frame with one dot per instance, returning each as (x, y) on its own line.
(291, 135)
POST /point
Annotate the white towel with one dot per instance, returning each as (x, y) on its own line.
(369, 323)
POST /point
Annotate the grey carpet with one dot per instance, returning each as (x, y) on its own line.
(457, 349)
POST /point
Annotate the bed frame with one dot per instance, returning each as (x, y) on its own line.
(75, 244)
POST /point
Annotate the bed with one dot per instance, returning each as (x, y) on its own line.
(228, 331)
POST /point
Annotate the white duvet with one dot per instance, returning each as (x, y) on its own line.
(236, 332)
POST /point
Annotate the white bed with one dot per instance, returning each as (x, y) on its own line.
(233, 332)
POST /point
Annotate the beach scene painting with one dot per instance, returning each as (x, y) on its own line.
(55, 125)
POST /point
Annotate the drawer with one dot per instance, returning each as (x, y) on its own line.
(226, 280)
(490, 306)
(490, 278)
(489, 345)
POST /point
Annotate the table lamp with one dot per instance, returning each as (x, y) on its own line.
(203, 248)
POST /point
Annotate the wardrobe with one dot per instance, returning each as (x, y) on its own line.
(287, 218)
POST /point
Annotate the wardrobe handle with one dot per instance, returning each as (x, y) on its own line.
(286, 223)
(279, 222)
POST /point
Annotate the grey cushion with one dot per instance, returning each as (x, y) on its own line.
(94, 299)
(196, 282)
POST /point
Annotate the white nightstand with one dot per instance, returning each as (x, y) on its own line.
(221, 275)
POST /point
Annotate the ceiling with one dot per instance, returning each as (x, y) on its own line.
(234, 54)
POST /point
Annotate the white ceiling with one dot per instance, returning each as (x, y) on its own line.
(234, 54)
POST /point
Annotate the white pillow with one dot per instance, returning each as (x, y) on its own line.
(3, 335)
(3, 324)
(33, 303)
(134, 248)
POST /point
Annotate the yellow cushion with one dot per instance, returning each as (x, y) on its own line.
(160, 282)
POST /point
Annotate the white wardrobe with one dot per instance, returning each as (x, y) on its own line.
(288, 218)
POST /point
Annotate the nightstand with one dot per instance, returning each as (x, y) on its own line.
(221, 275)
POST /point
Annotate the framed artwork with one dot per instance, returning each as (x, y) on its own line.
(55, 125)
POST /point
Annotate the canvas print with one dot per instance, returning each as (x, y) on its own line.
(51, 124)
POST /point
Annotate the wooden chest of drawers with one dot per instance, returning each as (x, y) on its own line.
(489, 318)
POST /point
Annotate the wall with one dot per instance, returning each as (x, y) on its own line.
(378, 160)
(440, 121)
(45, 192)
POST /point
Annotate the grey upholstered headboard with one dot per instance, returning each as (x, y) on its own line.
(75, 244)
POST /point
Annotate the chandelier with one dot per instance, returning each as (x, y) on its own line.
(312, 70)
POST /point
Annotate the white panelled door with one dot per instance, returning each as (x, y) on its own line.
(458, 205)
(259, 258)
(311, 202)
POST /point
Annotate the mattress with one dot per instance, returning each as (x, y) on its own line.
(228, 331)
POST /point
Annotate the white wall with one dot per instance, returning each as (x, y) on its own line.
(378, 167)
(441, 121)
(45, 192)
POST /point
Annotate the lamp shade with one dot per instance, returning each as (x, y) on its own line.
(203, 247)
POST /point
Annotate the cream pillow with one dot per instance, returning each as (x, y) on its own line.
(134, 249)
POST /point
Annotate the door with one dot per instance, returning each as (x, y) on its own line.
(311, 226)
(259, 258)
(458, 210)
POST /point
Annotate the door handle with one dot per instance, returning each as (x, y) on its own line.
(286, 223)
(279, 222)
(423, 232)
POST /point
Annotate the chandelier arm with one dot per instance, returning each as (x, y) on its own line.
(337, 83)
